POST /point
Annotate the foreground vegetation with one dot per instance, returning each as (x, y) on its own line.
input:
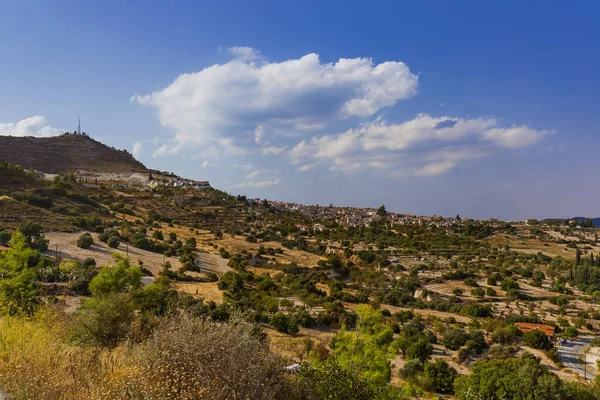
(378, 312)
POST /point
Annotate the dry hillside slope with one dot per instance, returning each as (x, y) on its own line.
(65, 153)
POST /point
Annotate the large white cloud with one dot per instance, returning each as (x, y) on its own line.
(249, 92)
(33, 126)
(434, 144)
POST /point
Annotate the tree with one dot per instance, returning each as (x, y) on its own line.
(516, 379)
(113, 242)
(33, 235)
(570, 332)
(85, 241)
(577, 256)
(508, 283)
(104, 321)
(381, 211)
(454, 338)
(118, 278)
(4, 238)
(332, 382)
(420, 350)
(156, 298)
(366, 351)
(439, 376)
(537, 339)
(18, 287)
(283, 323)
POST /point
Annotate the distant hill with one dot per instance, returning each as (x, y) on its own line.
(65, 153)
(596, 221)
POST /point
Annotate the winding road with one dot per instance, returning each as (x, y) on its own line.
(569, 354)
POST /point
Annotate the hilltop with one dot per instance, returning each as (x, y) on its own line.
(66, 153)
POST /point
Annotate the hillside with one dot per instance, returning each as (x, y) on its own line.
(430, 297)
(65, 153)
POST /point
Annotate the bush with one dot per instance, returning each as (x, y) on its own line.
(240, 367)
(537, 340)
(471, 282)
(85, 241)
(117, 278)
(113, 242)
(508, 283)
(570, 332)
(454, 338)
(420, 350)
(104, 321)
(282, 323)
(439, 376)
(516, 379)
(331, 381)
(4, 238)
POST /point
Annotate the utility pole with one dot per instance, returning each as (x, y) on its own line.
(585, 365)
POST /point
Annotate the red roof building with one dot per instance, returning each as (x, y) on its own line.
(527, 327)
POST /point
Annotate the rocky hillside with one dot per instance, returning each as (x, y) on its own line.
(65, 153)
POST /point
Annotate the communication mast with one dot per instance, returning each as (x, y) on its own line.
(79, 126)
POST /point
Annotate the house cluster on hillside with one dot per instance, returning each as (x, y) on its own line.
(183, 183)
(352, 217)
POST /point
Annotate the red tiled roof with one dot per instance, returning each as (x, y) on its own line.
(527, 327)
(2, 248)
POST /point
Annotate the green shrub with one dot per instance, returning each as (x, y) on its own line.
(85, 241)
(454, 338)
(537, 340)
(113, 242)
(282, 323)
(439, 377)
(104, 321)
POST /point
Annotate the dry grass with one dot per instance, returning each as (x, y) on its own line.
(208, 291)
(185, 358)
(295, 347)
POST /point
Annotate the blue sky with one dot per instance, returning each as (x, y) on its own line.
(435, 107)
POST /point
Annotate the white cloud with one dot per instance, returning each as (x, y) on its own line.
(264, 183)
(345, 165)
(226, 100)
(274, 150)
(206, 164)
(246, 53)
(307, 167)
(516, 136)
(138, 149)
(259, 133)
(255, 173)
(435, 168)
(378, 144)
(33, 126)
